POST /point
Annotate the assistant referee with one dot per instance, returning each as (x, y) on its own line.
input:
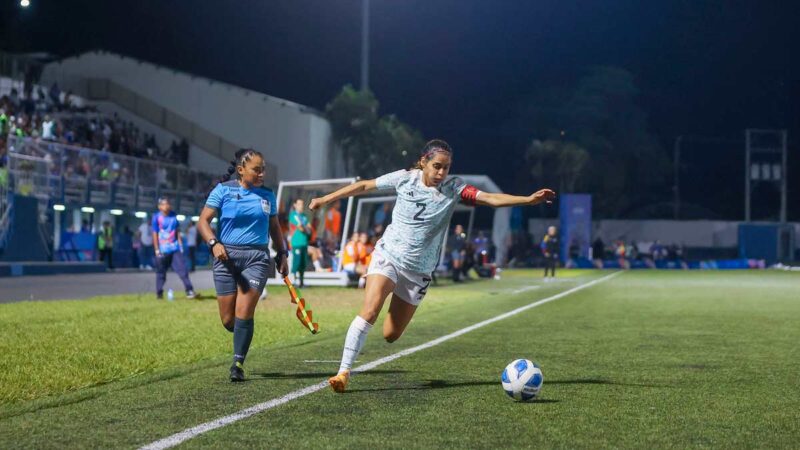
(248, 217)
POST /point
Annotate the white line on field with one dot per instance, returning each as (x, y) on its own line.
(525, 289)
(324, 361)
(177, 438)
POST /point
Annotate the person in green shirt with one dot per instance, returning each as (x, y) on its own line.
(3, 122)
(105, 243)
(300, 231)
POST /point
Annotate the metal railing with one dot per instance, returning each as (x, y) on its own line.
(70, 175)
(5, 206)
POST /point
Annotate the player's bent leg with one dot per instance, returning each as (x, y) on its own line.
(400, 314)
(227, 310)
(379, 287)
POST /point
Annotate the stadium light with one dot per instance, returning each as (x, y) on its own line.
(364, 45)
(140, 214)
(180, 217)
(116, 212)
(59, 208)
(195, 219)
(24, 3)
(87, 209)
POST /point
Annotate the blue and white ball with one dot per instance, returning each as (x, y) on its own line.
(522, 380)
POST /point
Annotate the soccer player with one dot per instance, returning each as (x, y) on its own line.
(300, 233)
(248, 218)
(169, 248)
(407, 253)
(549, 248)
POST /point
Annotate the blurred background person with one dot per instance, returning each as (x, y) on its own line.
(598, 252)
(145, 232)
(105, 244)
(457, 247)
(191, 243)
(549, 248)
(300, 232)
(169, 248)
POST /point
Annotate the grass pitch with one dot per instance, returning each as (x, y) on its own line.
(647, 359)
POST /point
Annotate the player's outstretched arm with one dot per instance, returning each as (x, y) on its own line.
(499, 200)
(351, 190)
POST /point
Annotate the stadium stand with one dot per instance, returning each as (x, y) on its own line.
(100, 137)
(215, 118)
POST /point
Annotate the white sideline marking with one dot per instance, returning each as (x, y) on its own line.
(525, 289)
(324, 361)
(177, 438)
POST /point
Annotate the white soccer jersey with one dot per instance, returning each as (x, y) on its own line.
(421, 214)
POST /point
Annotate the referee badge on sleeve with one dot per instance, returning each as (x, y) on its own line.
(265, 206)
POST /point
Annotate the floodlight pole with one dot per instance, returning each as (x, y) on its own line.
(747, 176)
(676, 175)
(364, 45)
(784, 173)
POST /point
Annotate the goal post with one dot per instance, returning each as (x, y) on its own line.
(288, 192)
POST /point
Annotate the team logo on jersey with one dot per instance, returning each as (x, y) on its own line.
(265, 206)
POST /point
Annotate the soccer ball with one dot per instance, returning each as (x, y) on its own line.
(522, 380)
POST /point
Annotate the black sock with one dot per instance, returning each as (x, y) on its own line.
(242, 335)
(228, 327)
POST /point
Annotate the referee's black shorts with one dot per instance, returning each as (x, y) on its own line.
(248, 266)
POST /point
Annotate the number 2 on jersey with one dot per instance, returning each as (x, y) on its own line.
(421, 207)
(424, 289)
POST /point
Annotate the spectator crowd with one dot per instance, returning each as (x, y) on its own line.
(60, 117)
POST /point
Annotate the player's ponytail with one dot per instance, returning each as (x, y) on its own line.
(431, 148)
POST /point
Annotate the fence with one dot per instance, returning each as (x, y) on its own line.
(59, 173)
(5, 206)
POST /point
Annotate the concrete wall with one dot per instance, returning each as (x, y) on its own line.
(291, 136)
(691, 233)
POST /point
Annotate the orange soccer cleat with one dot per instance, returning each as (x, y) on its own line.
(339, 382)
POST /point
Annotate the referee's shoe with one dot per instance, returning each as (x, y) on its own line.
(237, 372)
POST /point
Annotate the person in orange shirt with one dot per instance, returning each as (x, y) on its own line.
(333, 221)
(352, 256)
(365, 250)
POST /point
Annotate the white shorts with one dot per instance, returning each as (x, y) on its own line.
(410, 286)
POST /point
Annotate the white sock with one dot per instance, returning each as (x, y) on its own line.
(356, 336)
(317, 266)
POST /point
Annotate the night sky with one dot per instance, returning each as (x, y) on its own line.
(460, 70)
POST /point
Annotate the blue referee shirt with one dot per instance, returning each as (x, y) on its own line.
(243, 213)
